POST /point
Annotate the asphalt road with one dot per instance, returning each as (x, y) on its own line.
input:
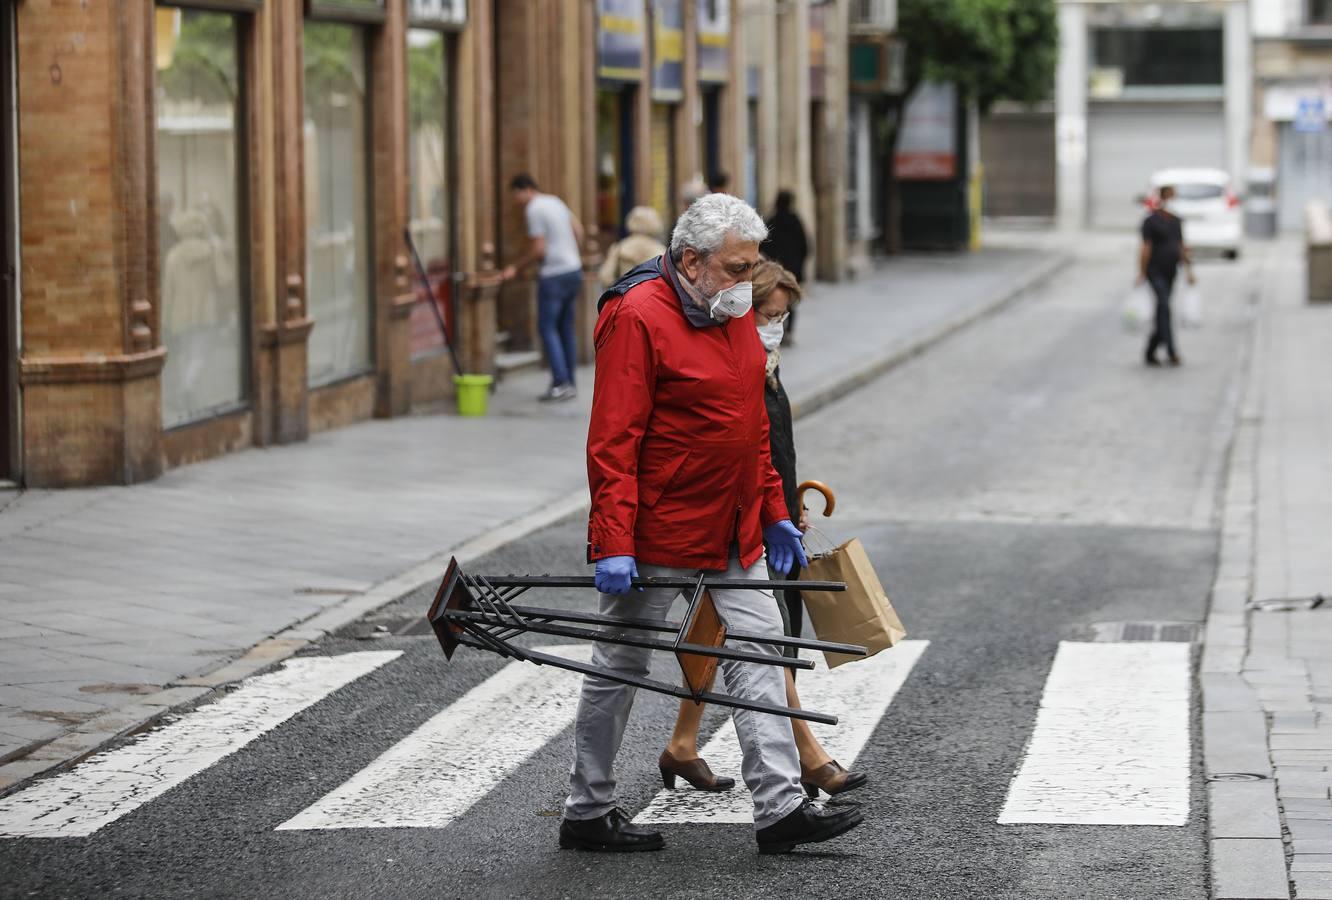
(1016, 486)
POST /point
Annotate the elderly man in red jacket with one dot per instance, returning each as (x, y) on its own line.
(681, 481)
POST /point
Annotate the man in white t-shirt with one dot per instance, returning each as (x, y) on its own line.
(556, 236)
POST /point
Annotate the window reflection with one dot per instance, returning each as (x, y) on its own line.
(202, 317)
(337, 251)
(430, 211)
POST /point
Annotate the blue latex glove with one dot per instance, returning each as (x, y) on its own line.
(614, 574)
(784, 547)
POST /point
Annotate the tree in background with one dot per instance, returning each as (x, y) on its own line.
(991, 49)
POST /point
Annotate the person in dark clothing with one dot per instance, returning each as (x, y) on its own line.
(775, 293)
(787, 245)
(1162, 250)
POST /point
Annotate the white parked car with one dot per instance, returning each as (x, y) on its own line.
(1208, 207)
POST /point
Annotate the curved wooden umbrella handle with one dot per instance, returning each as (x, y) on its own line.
(829, 499)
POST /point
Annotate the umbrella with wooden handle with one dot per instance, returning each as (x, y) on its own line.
(829, 499)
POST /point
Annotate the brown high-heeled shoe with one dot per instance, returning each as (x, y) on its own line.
(695, 771)
(830, 778)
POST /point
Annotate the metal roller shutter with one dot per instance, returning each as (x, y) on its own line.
(1127, 142)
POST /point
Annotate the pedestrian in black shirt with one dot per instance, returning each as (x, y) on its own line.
(1163, 249)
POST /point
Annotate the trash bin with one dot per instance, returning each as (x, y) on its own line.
(473, 393)
(1318, 251)
(1260, 217)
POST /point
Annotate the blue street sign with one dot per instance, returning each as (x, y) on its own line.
(1310, 115)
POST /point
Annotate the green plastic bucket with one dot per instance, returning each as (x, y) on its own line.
(473, 393)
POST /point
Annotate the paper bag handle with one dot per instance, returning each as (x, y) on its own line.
(829, 499)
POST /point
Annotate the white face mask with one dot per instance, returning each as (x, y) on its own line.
(733, 302)
(771, 335)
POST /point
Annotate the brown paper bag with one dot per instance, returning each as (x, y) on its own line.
(860, 615)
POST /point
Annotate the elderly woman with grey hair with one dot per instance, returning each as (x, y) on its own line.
(681, 480)
(641, 244)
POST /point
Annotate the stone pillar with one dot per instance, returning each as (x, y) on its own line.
(284, 339)
(735, 105)
(1071, 118)
(1238, 55)
(388, 74)
(793, 125)
(760, 17)
(689, 111)
(830, 180)
(394, 394)
(91, 356)
(479, 295)
(477, 191)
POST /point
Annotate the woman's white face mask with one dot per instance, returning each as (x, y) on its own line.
(733, 302)
(771, 335)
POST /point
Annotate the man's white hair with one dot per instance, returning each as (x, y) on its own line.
(708, 220)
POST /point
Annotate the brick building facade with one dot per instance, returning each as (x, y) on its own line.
(205, 200)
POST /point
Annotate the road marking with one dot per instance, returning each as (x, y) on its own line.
(110, 785)
(1112, 739)
(858, 693)
(436, 774)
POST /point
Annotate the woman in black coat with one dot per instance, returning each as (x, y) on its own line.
(775, 292)
(787, 245)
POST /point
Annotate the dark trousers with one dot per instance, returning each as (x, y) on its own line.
(791, 608)
(556, 297)
(1163, 334)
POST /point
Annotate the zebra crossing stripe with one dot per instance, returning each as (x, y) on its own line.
(858, 693)
(1111, 744)
(436, 774)
(110, 785)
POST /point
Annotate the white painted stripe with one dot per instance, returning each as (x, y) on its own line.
(858, 693)
(109, 785)
(435, 774)
(1111, 744)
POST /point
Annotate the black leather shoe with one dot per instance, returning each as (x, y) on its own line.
(808, 824)
(611, 833)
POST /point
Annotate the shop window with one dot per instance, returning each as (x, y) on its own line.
(337, 209)
(430, 183)
(202, 266)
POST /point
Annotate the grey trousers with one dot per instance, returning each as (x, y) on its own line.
(770, 767)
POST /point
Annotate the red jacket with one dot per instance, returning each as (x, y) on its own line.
(677, 450)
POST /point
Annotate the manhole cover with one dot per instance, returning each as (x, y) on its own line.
(1117, 632)
(1237, 776)
(1287, 604)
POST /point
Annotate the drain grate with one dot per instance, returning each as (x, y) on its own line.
(1166, 632)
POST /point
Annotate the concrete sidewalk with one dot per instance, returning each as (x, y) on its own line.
(1267, 662)
(117, 604)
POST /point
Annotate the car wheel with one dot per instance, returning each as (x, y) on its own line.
(1230, 254)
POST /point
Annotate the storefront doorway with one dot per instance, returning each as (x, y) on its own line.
(615, 159)
(9, 401)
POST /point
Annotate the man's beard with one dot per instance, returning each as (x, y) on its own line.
(706, 286)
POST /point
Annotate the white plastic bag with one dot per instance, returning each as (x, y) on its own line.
(1190, 307)
(1139, 308)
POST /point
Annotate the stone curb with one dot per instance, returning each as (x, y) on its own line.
(89, 737)
(1247, 853)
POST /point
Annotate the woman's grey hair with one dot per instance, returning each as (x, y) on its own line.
(706, 223)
